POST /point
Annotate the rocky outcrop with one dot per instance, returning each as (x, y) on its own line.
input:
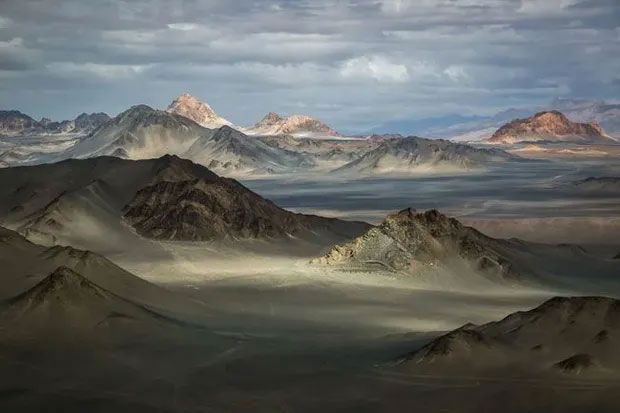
(200, 112)
(576, 364)
(549, 126)
(411, 242)
(607, 184)
(206, 209)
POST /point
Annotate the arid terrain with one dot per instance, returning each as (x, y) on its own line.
(299, 206)
(257, 308)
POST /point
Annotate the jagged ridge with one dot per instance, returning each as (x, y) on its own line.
(410, 241)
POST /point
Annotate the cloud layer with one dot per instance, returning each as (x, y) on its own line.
(353, 63)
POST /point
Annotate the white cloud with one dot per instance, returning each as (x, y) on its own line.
(183, 26)
(15, 43)
(374, 67)
(546, 6)
(455, 73)
(103, 71)
(4, 22)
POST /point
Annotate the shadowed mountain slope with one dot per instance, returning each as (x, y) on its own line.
(565, 334)
(168, 198)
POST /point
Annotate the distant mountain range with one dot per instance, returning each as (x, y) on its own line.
(15, 123)
(143, 132)
(191, 129)
(476, 128)
(279, 145)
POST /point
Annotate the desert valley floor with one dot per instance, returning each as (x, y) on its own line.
(254, 325)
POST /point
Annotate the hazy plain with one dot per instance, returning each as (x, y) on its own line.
(278, 334)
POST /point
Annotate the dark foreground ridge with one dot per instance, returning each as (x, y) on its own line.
(164, 198)
(569, 334)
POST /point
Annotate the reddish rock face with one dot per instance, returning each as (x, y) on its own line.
(548, 126)
(200, 112)
(274, 124)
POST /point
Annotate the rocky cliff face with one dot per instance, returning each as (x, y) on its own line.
(200, 112)
(206, 209)
(89, 122)
(549, 126)
(411, 242)
(15, 122)
(209, 207)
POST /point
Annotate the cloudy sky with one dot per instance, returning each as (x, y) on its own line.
(352, 63)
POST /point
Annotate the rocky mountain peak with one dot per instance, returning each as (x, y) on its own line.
(274, 124)
(60, 286)
(409, 241)
(15, 122)
(548, 126)
(196, 110)
(270, 119)
(63, 277)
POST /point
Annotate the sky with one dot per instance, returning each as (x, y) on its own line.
(352, 63)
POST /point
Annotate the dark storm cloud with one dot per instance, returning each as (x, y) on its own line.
(352, 63)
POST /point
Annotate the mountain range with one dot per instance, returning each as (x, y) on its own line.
(15, 123)
(191, 129)
(476, 128)
(142, 132)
